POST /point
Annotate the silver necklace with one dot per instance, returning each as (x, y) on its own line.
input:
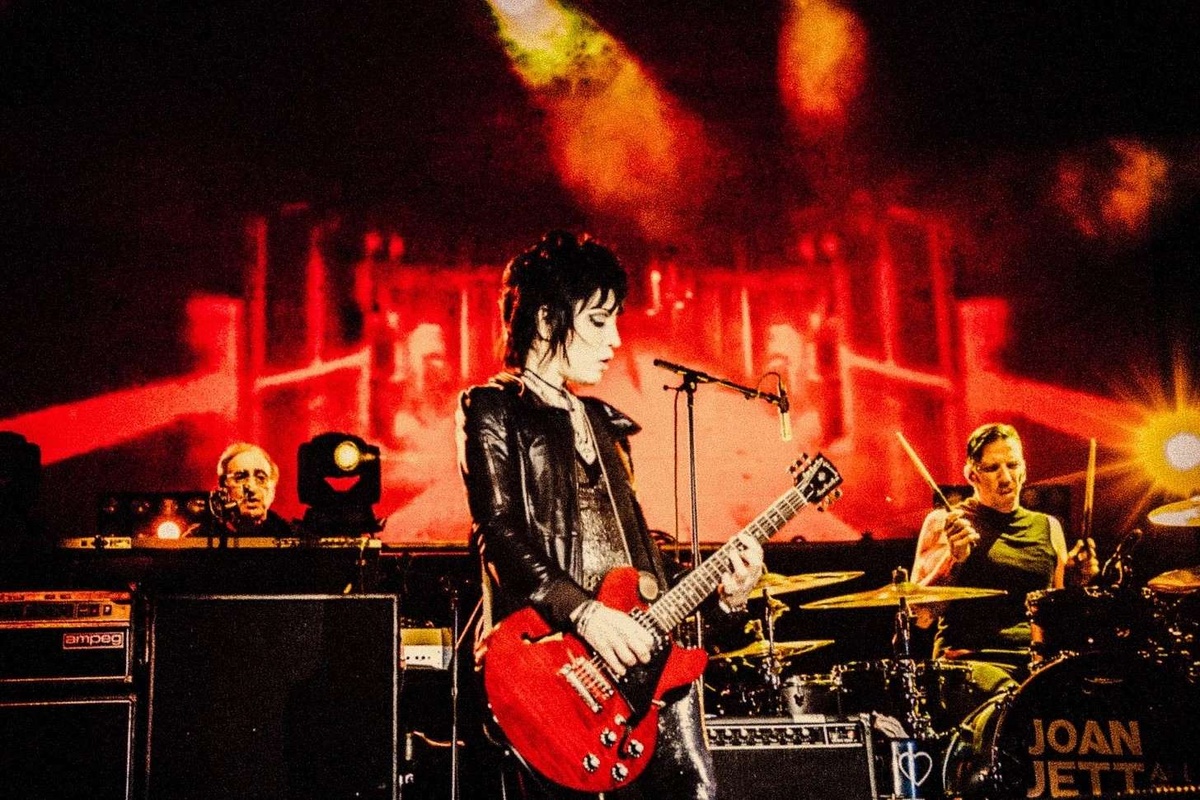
(585, 443)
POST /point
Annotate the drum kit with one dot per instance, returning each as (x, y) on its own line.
(911, 689)
(1110, 707)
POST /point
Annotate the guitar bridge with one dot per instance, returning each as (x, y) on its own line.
(588, 681)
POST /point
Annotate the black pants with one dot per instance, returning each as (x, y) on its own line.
(681, 767)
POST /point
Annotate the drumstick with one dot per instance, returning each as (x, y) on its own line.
(1089, 490)
(912, 454)
(924, 473)
(1089, 493)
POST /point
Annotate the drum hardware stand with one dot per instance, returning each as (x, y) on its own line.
(916, 715)
(772, 665)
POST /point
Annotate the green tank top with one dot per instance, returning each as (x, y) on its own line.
(1014, 554)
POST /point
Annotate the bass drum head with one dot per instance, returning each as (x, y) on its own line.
(1082, 726)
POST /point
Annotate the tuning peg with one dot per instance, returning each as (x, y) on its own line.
(829, 499)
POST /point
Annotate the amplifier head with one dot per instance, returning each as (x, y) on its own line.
(800, 760)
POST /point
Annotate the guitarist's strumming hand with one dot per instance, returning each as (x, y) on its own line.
(614, 635)
(744, 572)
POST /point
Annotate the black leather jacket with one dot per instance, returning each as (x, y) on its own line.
(517, 457)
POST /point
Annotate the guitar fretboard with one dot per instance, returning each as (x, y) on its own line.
(683, 598)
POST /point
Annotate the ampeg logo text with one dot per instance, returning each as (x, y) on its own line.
(99, 640)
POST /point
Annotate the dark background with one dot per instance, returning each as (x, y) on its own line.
(136, 137)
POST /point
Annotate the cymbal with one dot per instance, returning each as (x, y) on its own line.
(892, 594)
(1183, 514)
(1177, 581)
(759, 649)
(778, 584)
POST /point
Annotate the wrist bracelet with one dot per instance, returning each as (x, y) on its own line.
(585, 616)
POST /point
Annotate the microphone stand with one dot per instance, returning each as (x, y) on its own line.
(688, 385)
(689, 380)
(453, 592)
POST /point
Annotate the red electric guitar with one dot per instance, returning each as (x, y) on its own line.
(560, 708)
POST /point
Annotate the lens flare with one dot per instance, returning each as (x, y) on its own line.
(1183, 451)
(1168, 447)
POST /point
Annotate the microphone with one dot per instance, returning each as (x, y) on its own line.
(1128, 542)
(781, 400)
(1118, 567)
(785, 417)
(222, 505)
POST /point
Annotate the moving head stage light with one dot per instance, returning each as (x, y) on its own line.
(339, 481)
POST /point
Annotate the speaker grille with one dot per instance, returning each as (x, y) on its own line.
(290, 697)
(66, 749)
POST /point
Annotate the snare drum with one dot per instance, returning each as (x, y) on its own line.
(1088, 619)
(1099, 724)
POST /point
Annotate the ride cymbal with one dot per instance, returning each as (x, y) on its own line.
(760, 649)
(778, 584)
(893, 593)
(1183, 514)
(1177, 581)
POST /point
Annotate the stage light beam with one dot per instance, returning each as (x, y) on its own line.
(620, 144)
(822, 63)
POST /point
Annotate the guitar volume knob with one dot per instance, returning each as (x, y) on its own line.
(635, 748)
(620, 772)
(607, 737)
(591, 762)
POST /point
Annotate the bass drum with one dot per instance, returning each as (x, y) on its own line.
(1082, 726)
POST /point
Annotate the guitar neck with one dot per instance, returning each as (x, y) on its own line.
(687, 595)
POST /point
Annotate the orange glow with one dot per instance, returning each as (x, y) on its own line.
(618, 142)
(168, 529)
(822, 62)
(1114, 190)
(1139, 183)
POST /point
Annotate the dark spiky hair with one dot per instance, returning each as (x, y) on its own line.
(557, 274)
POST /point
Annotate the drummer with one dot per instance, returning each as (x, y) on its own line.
(989, 541)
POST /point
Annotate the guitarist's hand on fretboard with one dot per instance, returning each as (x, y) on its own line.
(614, 636)
(746, 567)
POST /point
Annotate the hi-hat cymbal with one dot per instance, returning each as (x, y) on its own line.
(778, 584)
(893, 593)
(1177, 581)
(1184, 514)
(760, 649)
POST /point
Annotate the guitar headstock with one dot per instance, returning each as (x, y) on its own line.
(817, 479)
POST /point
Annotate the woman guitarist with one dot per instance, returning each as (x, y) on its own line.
(549, 483)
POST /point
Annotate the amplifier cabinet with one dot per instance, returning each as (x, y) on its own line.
(276, 696)
(784, 757)
(58, 637)
(67, 749)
